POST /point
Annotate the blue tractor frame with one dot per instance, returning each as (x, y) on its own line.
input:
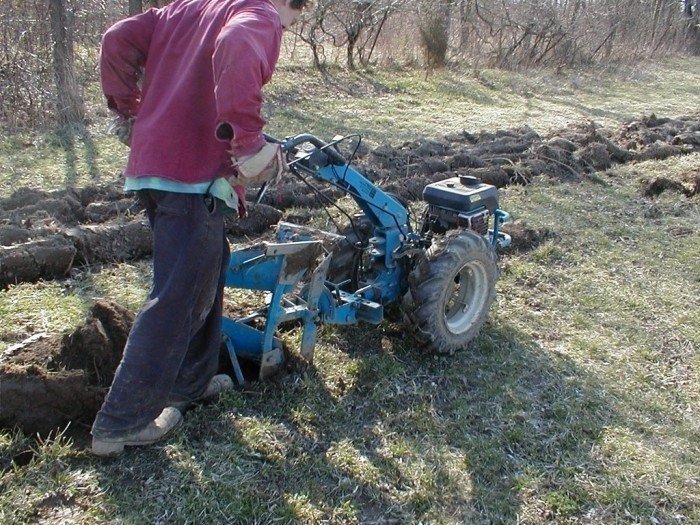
(294, 269)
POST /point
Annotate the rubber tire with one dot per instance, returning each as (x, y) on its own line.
(438, 325)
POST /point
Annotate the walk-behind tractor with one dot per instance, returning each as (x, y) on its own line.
(440, 272)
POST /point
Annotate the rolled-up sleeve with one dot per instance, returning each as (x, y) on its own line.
(244, 59)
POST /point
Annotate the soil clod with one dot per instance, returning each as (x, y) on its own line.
(688, 185)
(54, 380)
(525, 237)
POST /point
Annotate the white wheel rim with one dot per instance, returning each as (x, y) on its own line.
(467, 298)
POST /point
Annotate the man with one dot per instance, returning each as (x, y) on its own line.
(185, 82)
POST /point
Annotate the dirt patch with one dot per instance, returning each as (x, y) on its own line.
(524, 237)
(47, 234)
(44, 235)
(597, 156)
(505, 157)
(688, 185)
(260, 218)
(691, 181)
(96, 346)
(49, 257)
(51, 381)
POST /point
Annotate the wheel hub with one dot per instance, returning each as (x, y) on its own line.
(466, 298)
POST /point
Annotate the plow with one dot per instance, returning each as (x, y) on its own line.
(439, 268)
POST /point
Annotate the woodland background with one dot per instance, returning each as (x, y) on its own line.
(49, 48)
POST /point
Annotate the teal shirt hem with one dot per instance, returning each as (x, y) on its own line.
(220, 188)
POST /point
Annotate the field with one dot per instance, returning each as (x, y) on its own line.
(579, 402)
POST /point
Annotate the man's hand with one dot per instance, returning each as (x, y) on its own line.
(121, 127)
(265, 165)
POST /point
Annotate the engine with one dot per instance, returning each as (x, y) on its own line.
(460, 202)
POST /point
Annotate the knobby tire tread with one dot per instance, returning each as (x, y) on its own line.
(429, 279)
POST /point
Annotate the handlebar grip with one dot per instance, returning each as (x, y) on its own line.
(291, 143)
(333, 154)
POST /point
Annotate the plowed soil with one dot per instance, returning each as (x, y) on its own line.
(47, 382)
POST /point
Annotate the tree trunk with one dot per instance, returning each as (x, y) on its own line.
(465, 18)
(352, 40)
(655, 21)
(692, 14)
(69, 103)
(365, 62)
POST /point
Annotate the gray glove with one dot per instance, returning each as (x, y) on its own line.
(121, 127)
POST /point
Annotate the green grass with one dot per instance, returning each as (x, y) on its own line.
(384, 106)
(390, 106)
(579, 404)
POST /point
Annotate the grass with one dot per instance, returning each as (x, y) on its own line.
(578, 404)
(384, 106)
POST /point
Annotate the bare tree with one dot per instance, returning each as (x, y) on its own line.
(69, 103)
(692, 13)
(309, 30)
(353, 25)
(358, 24)
(465, 15)
(434, 27)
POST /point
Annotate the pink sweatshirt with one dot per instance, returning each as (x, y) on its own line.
(203, 64)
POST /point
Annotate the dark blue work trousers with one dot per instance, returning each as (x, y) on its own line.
(173, 349)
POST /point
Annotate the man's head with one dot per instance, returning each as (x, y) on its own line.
(290, 10)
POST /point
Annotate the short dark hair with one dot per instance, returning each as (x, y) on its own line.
(299, 4)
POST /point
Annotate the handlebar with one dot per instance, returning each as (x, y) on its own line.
(291, 143)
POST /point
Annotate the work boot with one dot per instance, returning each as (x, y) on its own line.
(156, 430)
(217, 384)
